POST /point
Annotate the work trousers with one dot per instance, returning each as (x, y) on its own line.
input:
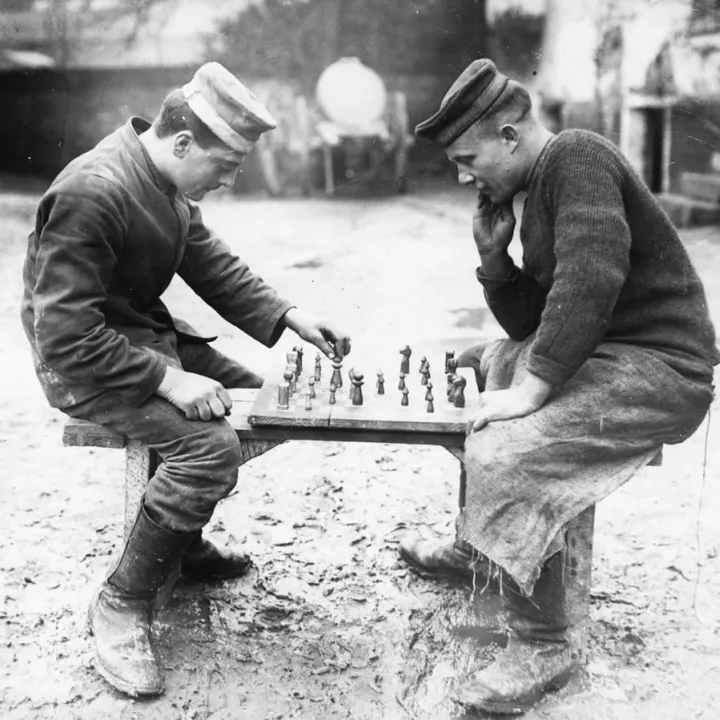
(200, 459)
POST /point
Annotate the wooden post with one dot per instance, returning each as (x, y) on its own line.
(578, 577)
(140, 465)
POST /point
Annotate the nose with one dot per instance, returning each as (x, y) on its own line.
(228, 179)
(465, 177)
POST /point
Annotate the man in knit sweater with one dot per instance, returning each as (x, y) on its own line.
(610, 355)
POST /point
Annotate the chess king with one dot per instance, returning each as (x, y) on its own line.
(609, 355)
(112, 230)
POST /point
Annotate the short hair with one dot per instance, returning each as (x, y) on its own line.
(513, 106)
(175, 115)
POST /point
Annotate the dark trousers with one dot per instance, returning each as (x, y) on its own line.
(200, 459)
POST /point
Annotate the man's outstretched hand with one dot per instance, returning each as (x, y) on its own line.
(199, 397)
(327, 338)
(518, 401)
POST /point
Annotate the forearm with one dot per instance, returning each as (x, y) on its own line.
(515, 298)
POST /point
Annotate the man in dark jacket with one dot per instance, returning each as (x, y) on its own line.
(111, 232)
(611, 355)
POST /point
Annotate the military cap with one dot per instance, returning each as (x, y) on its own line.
(227, 107)
(469, 98)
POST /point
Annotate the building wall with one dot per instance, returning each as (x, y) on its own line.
(693, 142)
(48, 117)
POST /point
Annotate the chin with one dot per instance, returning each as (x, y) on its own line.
(195, 195)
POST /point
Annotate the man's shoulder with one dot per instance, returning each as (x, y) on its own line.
(98, 171)
(576, 140)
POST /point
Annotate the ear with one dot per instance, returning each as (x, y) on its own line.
(510, 137)
(182, 143)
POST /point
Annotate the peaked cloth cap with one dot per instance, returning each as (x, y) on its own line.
(227, 107)
(469, 98)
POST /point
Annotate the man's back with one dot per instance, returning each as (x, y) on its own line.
(610, 260)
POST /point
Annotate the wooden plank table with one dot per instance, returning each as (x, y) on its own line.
(256, 439)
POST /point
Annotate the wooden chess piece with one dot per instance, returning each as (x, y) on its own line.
(401, 384)
(459, 383)
(299, 352)
(284, 391)
(430, 405)
(318, 368)
(308, 401)
(428, 394)
(289, 375)
(405, 400)
(448, 357)
(380, 383)
(336, 378)
(406, 352)
(423, 362)
(357, 394)
(311, 387)
(425, 374)
(332, 394)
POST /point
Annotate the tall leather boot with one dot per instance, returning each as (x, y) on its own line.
(119, 617)
(538, 655)
(204, 561)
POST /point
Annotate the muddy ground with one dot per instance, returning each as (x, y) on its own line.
(329, 624)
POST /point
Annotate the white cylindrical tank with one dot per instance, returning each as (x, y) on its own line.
(350, 93)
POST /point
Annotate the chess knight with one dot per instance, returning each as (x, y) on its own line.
(110, 233)
(610, 354)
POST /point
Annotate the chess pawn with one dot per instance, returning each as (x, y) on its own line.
(318, 368)
(332, 394)
(311, 387)
(448, 357)
(401, 384)
(430, 405)
(459, 391)
(406, 352)
(405, 400)
(428, 394)
(336, 378)
(380, 384)
(357, 394)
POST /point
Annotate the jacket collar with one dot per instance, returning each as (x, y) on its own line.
(129, 134)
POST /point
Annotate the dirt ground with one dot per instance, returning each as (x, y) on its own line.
(330, 624)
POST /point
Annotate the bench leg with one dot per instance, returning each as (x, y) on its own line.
(578, 576)
(140, 465)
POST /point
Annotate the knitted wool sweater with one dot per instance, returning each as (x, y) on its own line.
(602, 262)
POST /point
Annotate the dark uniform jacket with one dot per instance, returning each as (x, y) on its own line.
(109, 236)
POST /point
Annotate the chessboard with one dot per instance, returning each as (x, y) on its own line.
(327, 400)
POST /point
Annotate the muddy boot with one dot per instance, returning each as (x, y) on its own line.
(204, 561)
(537, 658)
(443, 558)
(120, 615)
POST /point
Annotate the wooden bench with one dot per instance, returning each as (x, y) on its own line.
(141, 463)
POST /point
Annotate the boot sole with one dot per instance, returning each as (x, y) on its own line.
(520, 708)
(464, 575)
